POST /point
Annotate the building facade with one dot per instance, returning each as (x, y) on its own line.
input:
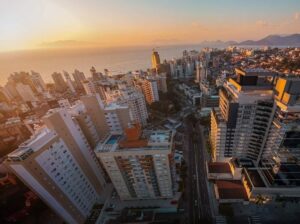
(140, 165)
(246, 109)
(150, 90)
(155, 59)
(25, 92)
(137, 105)
(62, 123)
(59, 82)
(48, 166)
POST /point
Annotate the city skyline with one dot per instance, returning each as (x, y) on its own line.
(214, 128)
(46, 24)
(171, 112)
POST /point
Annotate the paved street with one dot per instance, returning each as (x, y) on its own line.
(196, 186)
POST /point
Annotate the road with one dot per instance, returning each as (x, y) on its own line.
(196, 185)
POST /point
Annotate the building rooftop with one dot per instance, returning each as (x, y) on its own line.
(13, 120)
(287, 175)
(254, 72)
(113, 106)
(248, 93)
(231, 189)
(219, 167)
(136, 139)
(255, 178)
(36, 142)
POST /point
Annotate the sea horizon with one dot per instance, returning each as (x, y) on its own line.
(115, 59)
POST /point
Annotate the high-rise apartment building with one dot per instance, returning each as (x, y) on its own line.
(117, 117)
(110, 118)
(139, 164)
(11, 89)
(257, 125)
(64, 103)
(69, 82)
(89, 87)
(155, 59)
(239, 127)
(78, 112)
(79, 77)
(94, 108)
(96, 76)
(198, 72)
(59, 82)
(25, 92)
(24, 78)
(284, 135)
(137, 105)
(62, 123)
(4, 95)
(58, 173)
(38, 81)
(150, 90)
(162, 82)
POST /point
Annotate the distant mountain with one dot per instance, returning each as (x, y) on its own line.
(218, 43)
(275, 40)
(271, 40)
(231, 42)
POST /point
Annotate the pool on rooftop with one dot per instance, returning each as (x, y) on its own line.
(113, 139)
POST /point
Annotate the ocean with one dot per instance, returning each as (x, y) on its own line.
(116, 60)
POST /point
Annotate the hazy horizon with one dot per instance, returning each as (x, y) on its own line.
(47, 23)
(116, 59)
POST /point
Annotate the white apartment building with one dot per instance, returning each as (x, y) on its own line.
(25, 92)
(65, 126)
(69, 82)
(38, 81)
(79, 77)
(117, 117)
(240, 125)
(79, 113)
(64, 103)
(89, 87)
(139, 164)
(137, 105)
(50, 168)
(111, 118)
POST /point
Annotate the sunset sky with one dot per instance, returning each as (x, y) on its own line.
(26, 24)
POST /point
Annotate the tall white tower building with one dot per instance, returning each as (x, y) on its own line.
(25, 92)
(69, 82)
(139, 164)
(58, 173)
(239, 127)
(137, 105)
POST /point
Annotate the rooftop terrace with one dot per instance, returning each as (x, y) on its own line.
(36, 142)
(149, 140)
